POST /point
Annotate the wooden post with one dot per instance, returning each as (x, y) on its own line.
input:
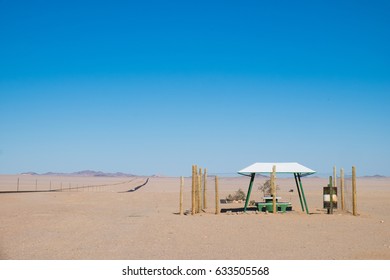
(354, 211)
(216, 196)
(204, 188)
(196, 188)
(193, 191)
(330, 210)
(181, 195)
(200, 190)
(273, 190)
(334, 177)
(17, 185)
(342, 189)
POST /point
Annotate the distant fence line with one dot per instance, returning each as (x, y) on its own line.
(61, 186)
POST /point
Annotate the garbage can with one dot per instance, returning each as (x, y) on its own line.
(326, 197)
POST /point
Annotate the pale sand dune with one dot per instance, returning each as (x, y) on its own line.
(105, 223)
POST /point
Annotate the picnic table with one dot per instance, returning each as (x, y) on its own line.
(267, 205)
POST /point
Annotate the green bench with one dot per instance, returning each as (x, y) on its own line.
(281, 206)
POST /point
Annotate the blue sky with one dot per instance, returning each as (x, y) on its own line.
(152, 87)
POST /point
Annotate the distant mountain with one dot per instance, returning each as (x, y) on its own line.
(375, 176)
(29, 173)
(84, 173)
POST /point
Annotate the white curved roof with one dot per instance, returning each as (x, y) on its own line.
(281, 167)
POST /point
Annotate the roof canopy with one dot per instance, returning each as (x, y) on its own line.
(281, 167)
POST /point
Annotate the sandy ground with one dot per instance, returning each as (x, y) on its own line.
(104, 222)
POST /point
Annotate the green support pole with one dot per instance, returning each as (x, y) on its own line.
(299, 192)
(303, 194)
(330, 185)
(249, 191)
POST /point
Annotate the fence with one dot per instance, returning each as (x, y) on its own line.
(347, 191)
(24, 184)
(198, 192)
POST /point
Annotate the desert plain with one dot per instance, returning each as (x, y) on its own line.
(96, 218)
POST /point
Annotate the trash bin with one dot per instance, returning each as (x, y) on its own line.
(326, 197)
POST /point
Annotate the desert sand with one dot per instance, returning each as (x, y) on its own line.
(106, 222)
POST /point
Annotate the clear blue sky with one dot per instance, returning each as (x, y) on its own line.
(152, 87)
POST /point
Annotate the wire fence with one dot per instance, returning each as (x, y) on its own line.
(346, 191)
(30, 184)
(348, 204)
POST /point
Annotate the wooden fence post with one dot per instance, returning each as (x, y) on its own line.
(273, 190)
(204, 188)
(216, 196)
(342, 189)
(181, 195)
(334, 176)
(196, 189)
(199, 190)
(354, 210)
(193, 191)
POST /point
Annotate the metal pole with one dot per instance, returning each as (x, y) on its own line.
(303, 194)
(249, 191)
(330, 195)
(299, 191)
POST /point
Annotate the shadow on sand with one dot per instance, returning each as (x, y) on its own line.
(137, 187)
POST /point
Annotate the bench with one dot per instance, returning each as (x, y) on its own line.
(281, 206)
